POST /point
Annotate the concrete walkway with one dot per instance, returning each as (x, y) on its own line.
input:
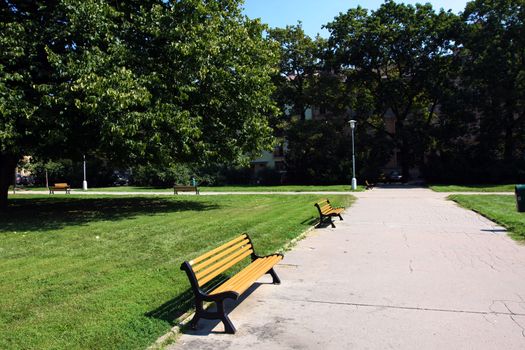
(405, 270)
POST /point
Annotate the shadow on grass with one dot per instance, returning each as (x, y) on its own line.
(172, 310)
(310, 221)
(42, 214)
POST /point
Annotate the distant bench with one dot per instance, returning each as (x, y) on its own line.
(204, 271)
(60, 187)
(327, 211)
(177, 189)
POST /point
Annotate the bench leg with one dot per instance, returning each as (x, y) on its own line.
(340, 217)
(219, 315)
(327, 217)
(199, 310)
(228, 325)
(194, 321)
(275, 278)
(331, 221)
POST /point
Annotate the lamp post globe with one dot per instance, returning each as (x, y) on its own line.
(353, 124)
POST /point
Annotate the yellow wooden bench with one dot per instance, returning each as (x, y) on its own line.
(205, 274)
(327, 211)
(369, 185)
(60, 187)
(180, 188)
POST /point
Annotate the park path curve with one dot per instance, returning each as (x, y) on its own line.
(406, 269)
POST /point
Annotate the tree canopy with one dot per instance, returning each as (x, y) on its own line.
(389, 59)
(133, 81)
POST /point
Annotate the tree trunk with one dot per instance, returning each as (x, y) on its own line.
(7, 171)
(405, 165)
(403, 149)
(508, 149)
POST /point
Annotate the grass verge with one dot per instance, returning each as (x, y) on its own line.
(103, 272)
(500, 209)
(473, 188)
(290, 188)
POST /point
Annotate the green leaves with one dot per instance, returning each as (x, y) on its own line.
(392, 59)
(150, 80)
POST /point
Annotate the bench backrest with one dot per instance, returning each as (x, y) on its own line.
(211, 264)
(323, 206)
(61, 185)
(185, 188)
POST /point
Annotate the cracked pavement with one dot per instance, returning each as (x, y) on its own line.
(406, 269)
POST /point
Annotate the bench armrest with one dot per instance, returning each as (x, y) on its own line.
(220, 296)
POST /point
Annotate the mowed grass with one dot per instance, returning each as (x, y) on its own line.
(498, 208)
(102, 272)
(288, 188)
(473, 188)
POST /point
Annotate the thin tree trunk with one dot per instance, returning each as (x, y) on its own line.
(7, 170)
(508, 149)
(405, 166)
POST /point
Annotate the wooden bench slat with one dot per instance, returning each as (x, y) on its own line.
(221, 262)
(239, 276)
(244, 279)
(246, 273)
(203, 264)
(242, 284)
(224, 268)
(218, 249)
(60, 186)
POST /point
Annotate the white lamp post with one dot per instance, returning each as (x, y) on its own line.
(354, 180)
(84, 183)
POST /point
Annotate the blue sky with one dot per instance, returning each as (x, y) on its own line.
(314, 13)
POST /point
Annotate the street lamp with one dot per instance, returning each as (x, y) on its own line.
(84, 183)
(354, 180)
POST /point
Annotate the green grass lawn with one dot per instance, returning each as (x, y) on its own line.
(500, 209)
(473, 188)
(102, 272)
(288, 188)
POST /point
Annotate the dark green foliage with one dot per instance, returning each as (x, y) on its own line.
(154, 175)
(210, 175)
(481, 133)
(320, 152)
(390, 60)
(296, 79)
(99, 172)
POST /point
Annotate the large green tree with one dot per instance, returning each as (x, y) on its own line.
(492, 52)
(131, 81)
(391, 61)
(296, 79)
